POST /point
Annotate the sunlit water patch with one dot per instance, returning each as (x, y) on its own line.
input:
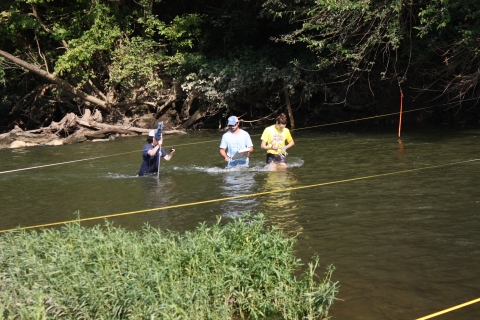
(112, 175)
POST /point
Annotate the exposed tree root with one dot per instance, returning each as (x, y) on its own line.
(71, 129)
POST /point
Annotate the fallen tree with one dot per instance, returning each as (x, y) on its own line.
(58, 81)
(72, 129)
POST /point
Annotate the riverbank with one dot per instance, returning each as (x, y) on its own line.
(17, 138)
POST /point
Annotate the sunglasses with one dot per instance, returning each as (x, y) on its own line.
(231, 126)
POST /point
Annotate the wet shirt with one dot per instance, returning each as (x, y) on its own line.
(234, 142)
(150, 164)
(276, 138)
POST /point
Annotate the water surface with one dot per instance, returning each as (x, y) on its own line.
(405, 243)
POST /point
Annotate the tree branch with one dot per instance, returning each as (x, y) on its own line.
(58, 81)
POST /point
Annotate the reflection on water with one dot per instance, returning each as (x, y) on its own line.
(279, 207)
(235, 183)
(401, 149)
(405, 244)
(157, 192)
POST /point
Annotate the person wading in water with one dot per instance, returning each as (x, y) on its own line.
(235, 139)
(151, 154)
(273, 140)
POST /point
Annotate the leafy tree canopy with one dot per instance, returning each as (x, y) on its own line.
(232, 55)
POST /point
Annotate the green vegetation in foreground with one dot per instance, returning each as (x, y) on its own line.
(107, 272)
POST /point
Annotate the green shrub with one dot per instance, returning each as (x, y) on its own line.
(107, 272)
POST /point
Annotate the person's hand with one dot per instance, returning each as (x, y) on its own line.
(172, 150)
(226, 158)
(246, 154)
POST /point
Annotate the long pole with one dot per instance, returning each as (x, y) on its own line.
(401, 109)
(159, 158)
(159, 133)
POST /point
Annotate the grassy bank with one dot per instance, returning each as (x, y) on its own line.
(107, 272)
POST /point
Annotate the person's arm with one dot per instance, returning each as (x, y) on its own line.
(266, 136)
(247, 154)
(152, 152)
(290, 144)
(264, 146)
(249, 145)
(168, 157)
(223, 153)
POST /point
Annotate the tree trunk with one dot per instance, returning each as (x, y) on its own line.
(187, 104)
(58, 81)
(194, 118)
(289, 106)
(77, 129)
(171, 98)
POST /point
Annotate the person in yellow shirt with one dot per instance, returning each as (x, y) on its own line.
(273, 140)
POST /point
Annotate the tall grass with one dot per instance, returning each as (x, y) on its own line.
(214, 272)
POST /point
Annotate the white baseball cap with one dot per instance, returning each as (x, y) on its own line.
(232, 121)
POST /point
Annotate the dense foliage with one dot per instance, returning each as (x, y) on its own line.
(213, 272)
(204, 59)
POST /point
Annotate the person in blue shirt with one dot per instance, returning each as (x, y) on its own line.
(233, 140)
(151, 152)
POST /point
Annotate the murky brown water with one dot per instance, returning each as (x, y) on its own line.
(405, 243)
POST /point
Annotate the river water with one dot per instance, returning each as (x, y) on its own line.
(398, 219)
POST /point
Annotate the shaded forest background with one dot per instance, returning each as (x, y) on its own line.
(192, 63)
